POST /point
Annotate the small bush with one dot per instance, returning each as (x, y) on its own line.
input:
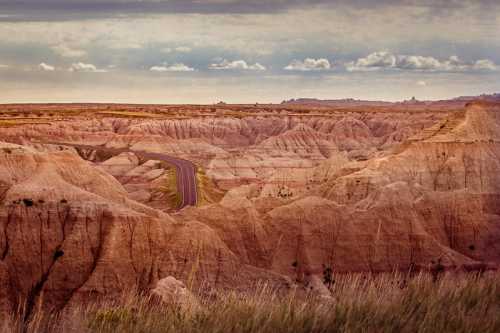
(58, 254)
(28, 202)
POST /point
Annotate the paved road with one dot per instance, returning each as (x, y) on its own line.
(186, 176)
(186, 170)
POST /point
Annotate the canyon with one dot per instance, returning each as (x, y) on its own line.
(93, 195)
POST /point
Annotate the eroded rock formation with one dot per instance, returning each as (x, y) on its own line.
(307, 195)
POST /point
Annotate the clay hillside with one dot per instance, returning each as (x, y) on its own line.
(97, 199)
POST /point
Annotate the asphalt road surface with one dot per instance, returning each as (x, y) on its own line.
(186, 176)
(186, 170)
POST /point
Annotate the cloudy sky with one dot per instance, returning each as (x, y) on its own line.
(245, 51)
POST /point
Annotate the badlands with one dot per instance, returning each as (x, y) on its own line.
(99, 199)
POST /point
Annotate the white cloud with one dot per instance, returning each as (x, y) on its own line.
(373, 61)
(485, 64)
(309, 64)
(386, 60)
(44, 67)
(180, 67)
(68, 52)
(257, 67)
(3, 66)
(83, 67)
(421, 83)
(237, 65)
(413, 62)
(453, 64)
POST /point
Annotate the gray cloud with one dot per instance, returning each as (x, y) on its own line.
(141, 37)
(41, 10)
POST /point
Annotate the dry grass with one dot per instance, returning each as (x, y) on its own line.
(387, 303)
(169, 187)
(208, 192)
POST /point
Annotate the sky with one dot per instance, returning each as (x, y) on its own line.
(246, 51)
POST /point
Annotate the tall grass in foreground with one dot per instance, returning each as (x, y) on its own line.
(387, 303)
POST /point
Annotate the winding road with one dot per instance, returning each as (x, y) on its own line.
(186, 175)
(185, 170)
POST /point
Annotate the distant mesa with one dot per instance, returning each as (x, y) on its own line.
(334, 102)
(460, 101)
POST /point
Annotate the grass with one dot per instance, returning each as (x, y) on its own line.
(208, 192)
(169, 188)
(387, 303)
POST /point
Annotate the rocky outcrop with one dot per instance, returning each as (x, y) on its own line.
(236, 147)
(73, 230)
(435, 198)
(69, 233)
(448, 159)
(173, 292)
(302, 141)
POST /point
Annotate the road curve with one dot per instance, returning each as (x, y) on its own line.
(186, 170)
(186, 175)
